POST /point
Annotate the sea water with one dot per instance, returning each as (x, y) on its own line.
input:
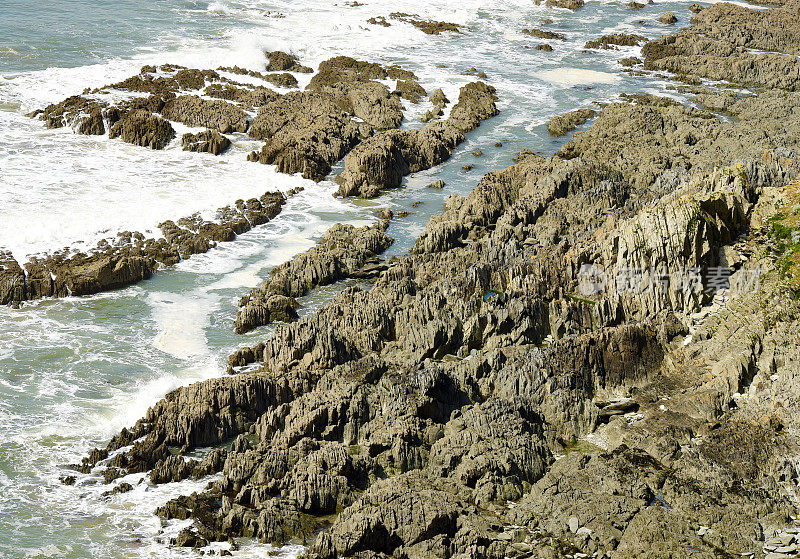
(74, 371)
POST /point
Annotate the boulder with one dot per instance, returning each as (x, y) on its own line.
(208, 141)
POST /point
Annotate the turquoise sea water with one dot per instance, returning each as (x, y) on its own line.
(74, 371)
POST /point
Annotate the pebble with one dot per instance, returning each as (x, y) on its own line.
(573, 524)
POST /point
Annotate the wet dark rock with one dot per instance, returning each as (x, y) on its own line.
(12, 279)
(428, 27)
(123, 487)
(379, 20)
(544, 47)
(630, 61)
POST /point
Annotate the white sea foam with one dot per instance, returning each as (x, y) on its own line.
(570, 77)
(63, 189)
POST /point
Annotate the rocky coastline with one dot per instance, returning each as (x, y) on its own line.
(591, 354)
(344, 105)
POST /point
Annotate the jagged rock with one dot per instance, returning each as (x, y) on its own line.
(410, 90)
(560, 125)
(544, 47)
(543, 34)
(438, 98)
(406, 516)
(611, 41)
(196, 111)
(165, 81)
(428, 27)
(143, 129)
(630, 61)
(566, 4)
(305, 133)
(209, 141)
(131, 257)
(12, 279)
(717, 47)
(341, 252)
(474, 399)
(282, 62)
(382, 161)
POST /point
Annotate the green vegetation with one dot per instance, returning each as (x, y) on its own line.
(785, 233)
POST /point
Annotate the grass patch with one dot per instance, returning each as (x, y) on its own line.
(784, 231)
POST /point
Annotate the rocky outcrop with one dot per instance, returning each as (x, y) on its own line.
(131, 257)
(215, 114)
(282, 79)
(427, 26)
(383, 160)
(668, 18)
(648, 136)
(560, 125)
(306, 132)
(208, 141)
(718, 46)
(143, 129)
(543, 34)
(341, 253)
(614, 40)
(12, 279)
(411, 90)
(565, 4)
(418, 409)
